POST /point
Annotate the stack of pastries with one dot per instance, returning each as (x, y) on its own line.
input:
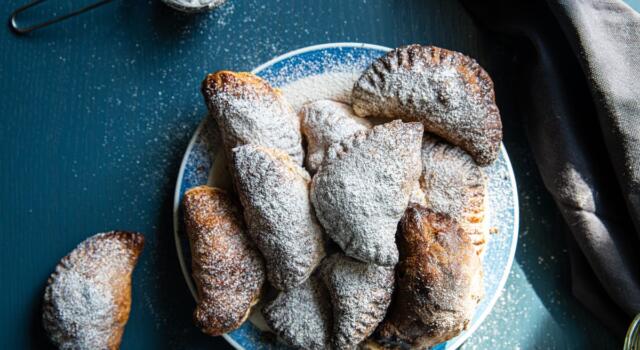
(371, 233)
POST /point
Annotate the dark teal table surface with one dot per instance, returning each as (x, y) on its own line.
(96, 113)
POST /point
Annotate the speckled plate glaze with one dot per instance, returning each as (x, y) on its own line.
(202, 164)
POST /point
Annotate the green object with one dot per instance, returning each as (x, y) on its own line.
(97, 111)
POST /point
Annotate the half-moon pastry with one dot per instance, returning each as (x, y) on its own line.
(360, 295)
(439, 281)
(88, 298)
(363, 188)
(274, 192)
(227, 269)
(454, 184)
(301, 316)
(445, 90)
(248, 110)
(326, 122)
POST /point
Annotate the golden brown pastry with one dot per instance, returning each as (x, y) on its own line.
(360, 295)
(248, 110)
(445, 90)
(324, 123)
(88, 298)
(274, 192)
(454, 184)
(439, 281)
(363, 188)
(301, 316)
(227, 269)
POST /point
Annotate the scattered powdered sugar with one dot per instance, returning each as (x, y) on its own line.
(328, 86)
(84, 297)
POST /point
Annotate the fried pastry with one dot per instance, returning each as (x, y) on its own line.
(274, 192)
(454, 184)
(326, 122)
(227, 269)
(88, 298)
(363, 187)
(439, 281)
(445, 90)
(301, 316)
(248, 110)
(360, 295)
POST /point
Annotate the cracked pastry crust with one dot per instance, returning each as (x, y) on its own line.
(454, 184)
(274, 192)
(248, 110)
(301, 316)
(88, 298)
(363, 188)
(439, 281)
(445, 90)
(227, 269)
(360, 295)
(324, 123)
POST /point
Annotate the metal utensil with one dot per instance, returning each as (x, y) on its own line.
(24, 30)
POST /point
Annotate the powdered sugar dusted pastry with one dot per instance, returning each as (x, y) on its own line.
(227, 269)
(88, 298)
(274, 192)
(301, 316)
(439, 281)
(360, 294)
(454, 184)
(248, 110)
(363, 187)
(447, 91)
(326, 122)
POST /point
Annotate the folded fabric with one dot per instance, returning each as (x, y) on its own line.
(580, 100)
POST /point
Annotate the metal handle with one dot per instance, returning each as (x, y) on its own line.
(24, 30)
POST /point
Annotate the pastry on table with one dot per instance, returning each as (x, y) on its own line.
(438, 281)
(248, 110)
(274, 192)
(454, 184)
(226, 267)
(360, 295)
(88, 298)
(363, 188)
(325, 122)
(301, 316)
(445, 90)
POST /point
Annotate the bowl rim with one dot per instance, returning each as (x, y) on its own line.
(176, 197)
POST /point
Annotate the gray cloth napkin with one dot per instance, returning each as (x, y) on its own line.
(579, 67)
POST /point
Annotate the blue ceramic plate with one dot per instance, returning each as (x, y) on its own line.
(203, 164)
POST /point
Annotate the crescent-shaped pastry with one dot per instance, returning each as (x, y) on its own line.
(363, 188)
(301, 316)
(439, 281)
(326, 122)
(227, 269)
(360, 295)
(248, 110)
(274, 192)
(454, 184)
(445, 90)
(88, 298)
